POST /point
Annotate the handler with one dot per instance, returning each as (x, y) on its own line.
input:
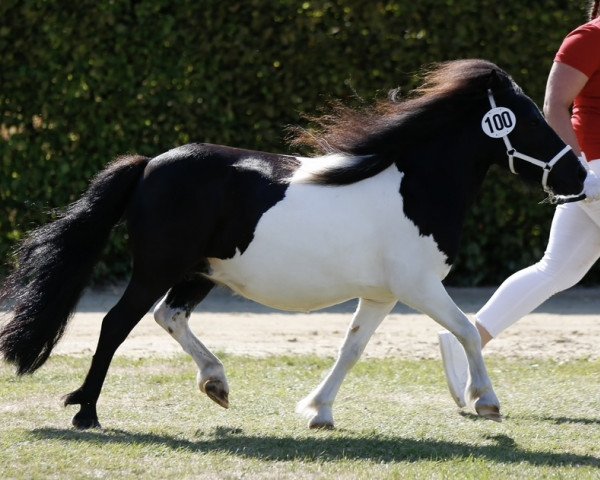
(574, 243)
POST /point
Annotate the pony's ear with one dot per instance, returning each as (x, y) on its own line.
(493, 79)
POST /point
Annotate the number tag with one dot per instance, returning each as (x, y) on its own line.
(498, 122)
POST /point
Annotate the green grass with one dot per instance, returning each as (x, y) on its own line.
(394, 420)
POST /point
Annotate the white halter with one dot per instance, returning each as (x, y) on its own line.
(512, 154)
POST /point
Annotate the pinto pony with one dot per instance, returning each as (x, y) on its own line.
(377, 216)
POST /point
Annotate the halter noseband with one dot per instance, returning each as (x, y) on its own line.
(513, 153)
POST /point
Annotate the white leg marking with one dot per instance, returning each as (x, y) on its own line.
(432, 299)
(317, 406)
(211, 377)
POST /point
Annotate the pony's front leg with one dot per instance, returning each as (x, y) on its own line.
(318, 405)
(431, 298)
(211, 377)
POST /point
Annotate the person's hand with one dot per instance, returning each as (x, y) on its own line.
(591, 187)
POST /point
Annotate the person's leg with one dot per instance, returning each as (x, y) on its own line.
(573, 247)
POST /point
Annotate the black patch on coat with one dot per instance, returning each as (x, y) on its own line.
(204, 201)
(190, 291)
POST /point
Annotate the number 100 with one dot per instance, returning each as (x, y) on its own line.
(499, 121)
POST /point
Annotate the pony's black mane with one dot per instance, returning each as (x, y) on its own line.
(449, 90)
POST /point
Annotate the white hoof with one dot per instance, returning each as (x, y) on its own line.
(489, 412)
(317, 423)
(319, 416)
(215, 388)
(486, 405)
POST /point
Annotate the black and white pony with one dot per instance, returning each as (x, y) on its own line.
(377, 217)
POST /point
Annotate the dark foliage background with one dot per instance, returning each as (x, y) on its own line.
(81, 82)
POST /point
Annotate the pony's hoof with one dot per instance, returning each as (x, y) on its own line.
(320, 416)
(82, 422)
(489, 412)
(320, 425)
(216, 391)
(323, 420)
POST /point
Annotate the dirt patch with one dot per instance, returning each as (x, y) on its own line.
(566, 327)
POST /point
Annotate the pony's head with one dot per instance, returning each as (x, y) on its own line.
(530, 147)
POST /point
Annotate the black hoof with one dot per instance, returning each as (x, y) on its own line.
(84, 421)
(86, 417)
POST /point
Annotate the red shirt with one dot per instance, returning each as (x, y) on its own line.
(581, 50)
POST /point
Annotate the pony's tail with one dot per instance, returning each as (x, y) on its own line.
(55, 262)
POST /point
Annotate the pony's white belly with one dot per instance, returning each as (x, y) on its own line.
(323, 245)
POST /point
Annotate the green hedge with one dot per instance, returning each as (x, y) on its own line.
(82, 82)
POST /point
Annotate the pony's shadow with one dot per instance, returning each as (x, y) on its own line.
(321, 447)
(568, 420)
(541, 418)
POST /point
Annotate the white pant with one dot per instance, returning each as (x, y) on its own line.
(573, 247)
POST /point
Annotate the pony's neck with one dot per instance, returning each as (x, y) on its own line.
(440, 183)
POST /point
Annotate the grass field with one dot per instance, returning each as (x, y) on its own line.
(394, 419)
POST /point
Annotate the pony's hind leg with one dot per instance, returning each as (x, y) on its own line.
(317, 406)
(116, 325)
(173, 314)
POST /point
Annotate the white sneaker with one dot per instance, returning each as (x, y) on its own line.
(456, 366)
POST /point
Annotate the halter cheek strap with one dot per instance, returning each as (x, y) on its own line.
(513, 153)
